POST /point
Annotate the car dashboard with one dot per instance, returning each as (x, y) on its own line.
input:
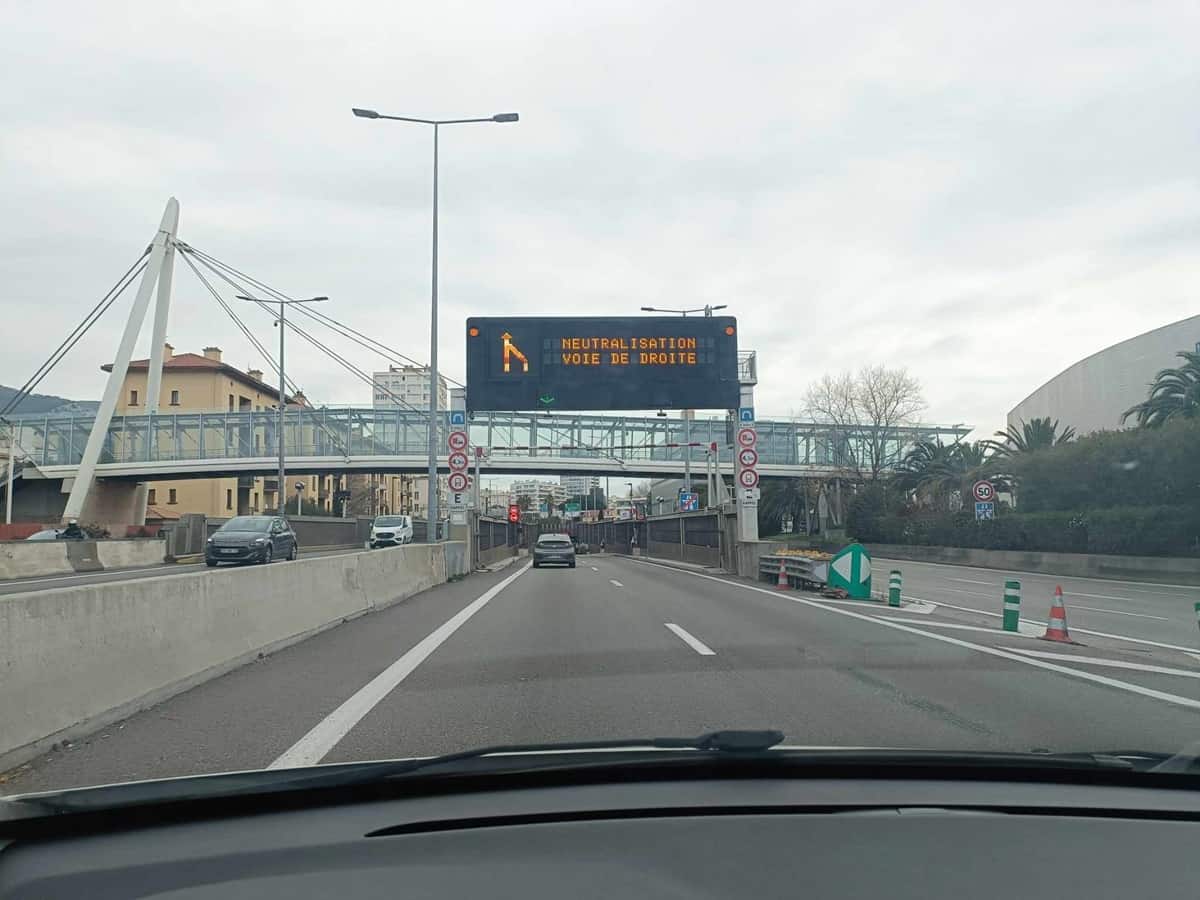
(819, 837)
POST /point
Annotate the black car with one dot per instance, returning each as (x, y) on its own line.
(246, 539)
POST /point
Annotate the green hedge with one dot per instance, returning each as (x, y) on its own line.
(1125, 531)
(1136, 468)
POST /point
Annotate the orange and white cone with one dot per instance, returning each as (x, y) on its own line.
(1056, 625)
(781, 583)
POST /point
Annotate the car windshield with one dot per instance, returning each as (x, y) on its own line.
(419, 379)
(248, 523)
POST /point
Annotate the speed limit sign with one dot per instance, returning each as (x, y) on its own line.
(748, 457)
(984, 491)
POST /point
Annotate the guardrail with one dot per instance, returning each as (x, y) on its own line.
(800, 571)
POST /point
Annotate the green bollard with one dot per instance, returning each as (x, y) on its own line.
(894, 588)
(1012, 605)
(1196, 606)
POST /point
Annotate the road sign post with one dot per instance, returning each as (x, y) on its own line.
(1012, 606)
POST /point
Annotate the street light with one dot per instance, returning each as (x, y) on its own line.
(707, 310)
(433, 311)
(281, 489)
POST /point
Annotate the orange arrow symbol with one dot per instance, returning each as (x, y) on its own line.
(510, 350)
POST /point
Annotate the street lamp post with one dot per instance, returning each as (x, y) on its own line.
(431, 531)
(707, 309)
(281, 489)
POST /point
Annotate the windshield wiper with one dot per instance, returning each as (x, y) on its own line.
(714, 741)
(361, 773)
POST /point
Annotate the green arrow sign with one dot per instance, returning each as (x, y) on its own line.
(850, 570)
(545, 399)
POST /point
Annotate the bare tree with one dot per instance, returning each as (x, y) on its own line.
(867, 410)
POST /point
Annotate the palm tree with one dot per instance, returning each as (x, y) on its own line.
(922, 466)
(939, 470)
(781, 497)
(1175, 394)
(1036, 434)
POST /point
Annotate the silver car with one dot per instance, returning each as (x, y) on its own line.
(553, 550)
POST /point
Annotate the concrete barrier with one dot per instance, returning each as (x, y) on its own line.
(1162, 569)
(125, 554)
(29, 559)
(77, 659)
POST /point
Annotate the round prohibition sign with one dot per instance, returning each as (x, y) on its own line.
(748, 457)
(458, 461)
(457, 440)
(747, 437)
(984, 491)
(748, 478)
(457, 482)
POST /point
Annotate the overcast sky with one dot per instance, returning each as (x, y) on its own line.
(983, 192)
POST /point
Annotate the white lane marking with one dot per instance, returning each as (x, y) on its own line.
(326, 734)
(614, 581)
(1175, 699)
(1025, 621)
(1110, 663)
(1118, 612)
(112, 574)
(1051, 576)
(696, 644)
(956, 626)
(970, 581)
(593, 568)
(919, 608)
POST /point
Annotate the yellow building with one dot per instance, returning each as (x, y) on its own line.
(202, 383)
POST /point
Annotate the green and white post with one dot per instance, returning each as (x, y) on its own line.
(894, 589)
(1196, 606)
(1012, 605)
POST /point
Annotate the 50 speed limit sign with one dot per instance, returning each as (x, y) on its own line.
(984, 491)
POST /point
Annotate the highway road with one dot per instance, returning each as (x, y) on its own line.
(620, 648)
(56, 582)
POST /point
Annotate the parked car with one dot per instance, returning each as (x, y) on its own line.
(390, 531)
(553, 549)
(259, 539)
(71, 533)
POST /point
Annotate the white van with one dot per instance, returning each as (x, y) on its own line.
(390, 531)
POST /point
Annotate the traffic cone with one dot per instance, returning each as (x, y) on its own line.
(1056, 625)
(781, 583)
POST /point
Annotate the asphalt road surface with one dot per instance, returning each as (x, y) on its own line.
(56, 582)
(626, 648)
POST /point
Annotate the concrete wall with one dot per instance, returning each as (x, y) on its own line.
(1092, 393)
(1164, 570)
(28, 559)
(77, 659)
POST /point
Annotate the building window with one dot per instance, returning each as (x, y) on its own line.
(231, 402)
(254, 501)
(133, 398)
(152, 496)
(229, 498)
(174, 398)
(171, 495)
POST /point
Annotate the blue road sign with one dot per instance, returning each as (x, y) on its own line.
(746, 414)
(458, 417)
(689, 501)
(985, 511)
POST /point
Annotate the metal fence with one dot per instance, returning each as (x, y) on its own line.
(617, 536)
(687, 537)
(495, 533)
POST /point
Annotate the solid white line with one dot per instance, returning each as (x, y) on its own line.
(615, 582)
(78, 576)
(1050, 576)
(696, 644)
(324, 736)
(1024, 620)
(1111, 663)
(969, 581)
(1117, 612)
(593, 568)
(958, 627)
(1175, 699)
